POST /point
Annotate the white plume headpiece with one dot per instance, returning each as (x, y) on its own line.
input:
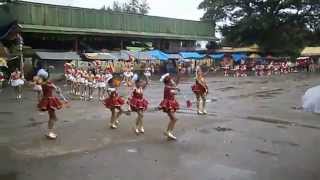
(163, 77)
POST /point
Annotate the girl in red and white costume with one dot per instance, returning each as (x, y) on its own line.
(270, 68)
(77, 77)
(101, 85)
(50, 103)
(37, 82)
(114, 102)
(169, 104)
(138, 104)
(200, 89)
(243, 70)
(83, 83)
(17, 82)
(2, 79)
(90, 83)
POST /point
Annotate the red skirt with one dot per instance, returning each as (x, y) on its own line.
(112, 102)
(138, 104)
(50, 103)
(169, 105)
(198, 89)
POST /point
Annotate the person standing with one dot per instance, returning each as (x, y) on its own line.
(50, 103)
(16, 80)
(200, 89)
(114, 102)
(138, 104)
(169, 104)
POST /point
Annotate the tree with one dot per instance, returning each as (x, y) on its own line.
(273, 24)
(133, 6)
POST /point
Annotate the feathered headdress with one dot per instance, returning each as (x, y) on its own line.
(164, 77)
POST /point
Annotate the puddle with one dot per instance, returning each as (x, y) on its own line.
(263, 94)
(6, 113)
(222, 129)
(287, 143)
(228, 88)
(266, 152)
(269, 120)
(9, 176)
(282, 127)
(280, 122)
(34, 124)
(205, 131)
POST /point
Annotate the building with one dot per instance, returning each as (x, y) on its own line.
(45, 26)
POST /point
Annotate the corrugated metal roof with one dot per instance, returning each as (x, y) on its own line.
(142, 55)
(157, 54)
(100, 56)
(120, 55)
(63, 19)
(191, 55)
(58, 55)
(311, 51)
(174, 56)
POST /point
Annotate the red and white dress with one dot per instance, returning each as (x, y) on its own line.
(137, 101)
(199, 89)
(100, 81)
(49, 101)
(113, 100)
(169, 102)
(16, 79)
(1, 77)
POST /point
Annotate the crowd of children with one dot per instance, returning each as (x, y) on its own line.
(82, 82)
(260, 69)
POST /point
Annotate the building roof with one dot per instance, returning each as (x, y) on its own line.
(159, 55)
(45, 18)
(190, 55)
(311, 51)
(57, 56)
(174, 56)
(100, 56)
(249, 49)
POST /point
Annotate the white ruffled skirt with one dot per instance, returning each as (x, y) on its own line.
(17, 82)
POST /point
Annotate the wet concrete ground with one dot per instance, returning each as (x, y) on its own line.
(255, 130)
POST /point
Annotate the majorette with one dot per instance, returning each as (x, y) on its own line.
(169, 104)
(90, 79)
(101, 84)
(138, 103)
(17, 82)
(50, 103)
(200, 89)
(2, 79)
(114, 102)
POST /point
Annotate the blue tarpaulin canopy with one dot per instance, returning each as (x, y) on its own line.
(191, 55)
(158, 55)
(239, 56)
(217, 56)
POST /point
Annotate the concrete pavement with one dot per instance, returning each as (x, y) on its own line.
(253, 132)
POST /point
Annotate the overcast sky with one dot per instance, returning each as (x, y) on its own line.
(181, 9)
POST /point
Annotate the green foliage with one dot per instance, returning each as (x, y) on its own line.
(132, 6)
(281, 26)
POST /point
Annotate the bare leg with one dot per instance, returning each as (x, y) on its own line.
(16, 91)
(198, 104)
(51, 122)
(120, 111)
(171, 126)
(99, 93)
(20, 91)
(139, 122)
(204, 101)
(113, 119)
